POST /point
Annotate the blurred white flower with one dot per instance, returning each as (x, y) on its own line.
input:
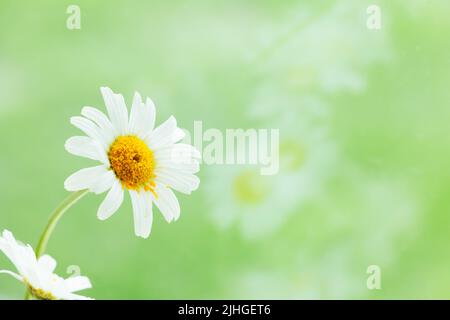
(259, 204)
(321, 55)
(37, 273)
(148, 162)
(326, 53)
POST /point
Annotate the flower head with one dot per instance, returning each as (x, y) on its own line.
(37, 273)
(148, 162)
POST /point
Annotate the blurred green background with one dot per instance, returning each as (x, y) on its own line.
(364, 132)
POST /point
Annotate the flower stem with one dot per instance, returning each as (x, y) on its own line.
(54, 218)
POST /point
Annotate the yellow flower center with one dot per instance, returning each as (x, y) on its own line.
(39, 293)
(132, 162)
(251, 188)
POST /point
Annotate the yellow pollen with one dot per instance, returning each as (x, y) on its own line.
(133, 163)
(39, 293)
(250, 188)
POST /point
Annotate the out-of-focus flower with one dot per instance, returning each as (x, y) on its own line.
(261, 204)
(148, 162)
(37, 273)
(326, 53)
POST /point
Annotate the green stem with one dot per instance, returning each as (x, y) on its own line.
(54, 218)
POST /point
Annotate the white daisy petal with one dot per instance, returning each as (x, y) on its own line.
(187, 149)
(13, 274)
(101, 120)
(21, 256)
(78, 283)
(47, 263)
(142, 212)
(84, 178)
(86, 147)
(117, 110)
(191, 168)
(135, 114)
(142, 117)
(180, 157)
(178, 180)
(150, 114)
(7, 241)
(112, 201)
(104, 182)
(167, 203)
(178, 135)
(90, 129)
(163, 135)
(178, 153)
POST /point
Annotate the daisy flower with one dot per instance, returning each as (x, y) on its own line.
(37, 273)
(148, 162)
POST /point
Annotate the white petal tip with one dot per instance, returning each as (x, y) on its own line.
(69, 187)
(102, 217)
(196, 184)
(173, 119)
(149, 102)
(143, 236)
(73, 120)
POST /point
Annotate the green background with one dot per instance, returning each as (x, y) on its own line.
(365, 152)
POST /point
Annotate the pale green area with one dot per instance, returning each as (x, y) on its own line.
(384, 200)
